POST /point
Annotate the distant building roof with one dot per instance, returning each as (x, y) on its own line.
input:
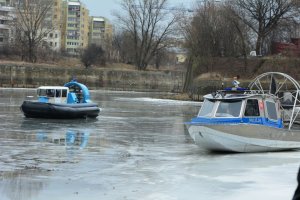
(177, 50)
(98, 19)
(74, 3)
(291, 48)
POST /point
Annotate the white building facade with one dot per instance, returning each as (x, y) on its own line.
(6, 30)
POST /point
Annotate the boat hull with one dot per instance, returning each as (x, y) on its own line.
(244, 138)
(34, 109)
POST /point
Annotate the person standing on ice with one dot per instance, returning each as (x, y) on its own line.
(297, 192)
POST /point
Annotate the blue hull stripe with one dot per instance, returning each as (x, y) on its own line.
(232, 121)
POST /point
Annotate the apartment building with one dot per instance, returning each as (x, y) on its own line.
(53, 22)
(70, 28)
(75, 28)
(8, 3)
(100, 32)
(3, 2)
(6, 19)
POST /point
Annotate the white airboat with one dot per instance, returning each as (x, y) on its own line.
(260, 118)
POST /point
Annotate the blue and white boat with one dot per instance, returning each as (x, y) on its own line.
(63, 102)
(261, 118)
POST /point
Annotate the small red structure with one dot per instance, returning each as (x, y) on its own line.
(287, 48)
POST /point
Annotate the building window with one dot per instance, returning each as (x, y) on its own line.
(96, 34)
(72, 38)
(71, 19)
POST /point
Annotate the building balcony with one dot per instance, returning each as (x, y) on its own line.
(6, 18)
(4, 26)
(6, 8)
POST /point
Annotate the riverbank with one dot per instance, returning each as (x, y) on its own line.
(25, 75)
(168, 79)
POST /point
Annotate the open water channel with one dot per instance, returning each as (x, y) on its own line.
(138, 148)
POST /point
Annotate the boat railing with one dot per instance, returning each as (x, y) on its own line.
(292, 109)
(285, 88)
(240, 91)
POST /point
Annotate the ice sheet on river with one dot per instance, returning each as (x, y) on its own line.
(138, 148)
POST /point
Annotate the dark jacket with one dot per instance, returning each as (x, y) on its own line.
(297, 192)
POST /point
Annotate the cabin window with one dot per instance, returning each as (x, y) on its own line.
(229, 109)
(206, 108)
(57, 93)
(271, 109)
(41, 93)
(50, 92)
(252, 108)
(64, 93)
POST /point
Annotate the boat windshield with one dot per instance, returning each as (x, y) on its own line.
(52, 92)
(206, 108)
(229, 109)
(46, 92)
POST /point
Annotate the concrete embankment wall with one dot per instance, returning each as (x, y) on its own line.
(27, 76)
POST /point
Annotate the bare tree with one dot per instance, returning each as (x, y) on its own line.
(213, 31)
(263, 16)
(93, 54)
(122, 44)
(150, 24)
(32, 24)
(241, 31)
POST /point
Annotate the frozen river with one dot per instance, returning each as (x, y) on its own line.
(137, 149)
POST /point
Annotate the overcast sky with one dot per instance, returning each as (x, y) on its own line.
(106, 7)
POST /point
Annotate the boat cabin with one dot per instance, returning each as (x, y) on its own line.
(241, 108)
(52, 94)
(71, 93)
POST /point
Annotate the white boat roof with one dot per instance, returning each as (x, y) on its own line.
(53, 87)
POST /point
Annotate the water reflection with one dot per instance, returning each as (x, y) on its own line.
(71, 140)
(56, 124)
(20, 184)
